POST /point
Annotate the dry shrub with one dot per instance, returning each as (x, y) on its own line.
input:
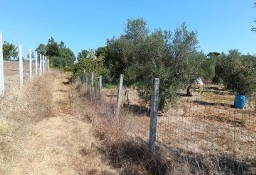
(133, 157)
(123, 151)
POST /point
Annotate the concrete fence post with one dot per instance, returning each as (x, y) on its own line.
(119, 94)
(40, 64)
(30, 64)
(1, 66)
(36, 69)
(100, 86)
(21, 65)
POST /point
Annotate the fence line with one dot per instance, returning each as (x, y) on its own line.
(204, 129)
(45, 64)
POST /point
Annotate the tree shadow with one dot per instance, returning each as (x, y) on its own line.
(137, 109)
(215, 88)
(184, 95)
(134, 158)
(204, 103)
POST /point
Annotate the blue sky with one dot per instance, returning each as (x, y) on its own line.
(221, 24)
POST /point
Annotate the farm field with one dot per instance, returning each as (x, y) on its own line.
(53, 126)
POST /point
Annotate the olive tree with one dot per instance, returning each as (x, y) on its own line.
(238, 72)
(142, 56)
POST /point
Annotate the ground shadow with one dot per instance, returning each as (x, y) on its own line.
(204, 103)
(215, 88)
(184, 95)
(137, 109)
(134, 157)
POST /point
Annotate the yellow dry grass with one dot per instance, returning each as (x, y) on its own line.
(42, 130)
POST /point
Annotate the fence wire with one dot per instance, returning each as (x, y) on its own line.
(207, 124)
(201, 134)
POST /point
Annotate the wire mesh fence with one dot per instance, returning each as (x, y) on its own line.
(204, 132)
(207, 124)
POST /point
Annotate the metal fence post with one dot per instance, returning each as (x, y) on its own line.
(153, 114)
(100, 85)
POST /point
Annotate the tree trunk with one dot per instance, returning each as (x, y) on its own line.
(188, 90)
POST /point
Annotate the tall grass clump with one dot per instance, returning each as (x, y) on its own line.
(124, 151)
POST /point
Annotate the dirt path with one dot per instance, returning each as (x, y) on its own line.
(60, 144)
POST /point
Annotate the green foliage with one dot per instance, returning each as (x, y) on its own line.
(136, 29)
(58, 62)
(82, 54)
(238, 72)
(60, 56)
(9, 51)
(52, 48)
(68, 56)
(101, 51)
(209, 66)
(41, 49)
(86, 66)
(141, 56)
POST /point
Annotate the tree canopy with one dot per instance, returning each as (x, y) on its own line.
(237, 71)
(59, 55)
(10, 51)
(82, 54)
(142, 56)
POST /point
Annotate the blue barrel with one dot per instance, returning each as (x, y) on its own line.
(240, 101)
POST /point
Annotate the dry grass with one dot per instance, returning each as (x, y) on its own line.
(123, 150)
(53, 127)
(18, 111)
(43, 132)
